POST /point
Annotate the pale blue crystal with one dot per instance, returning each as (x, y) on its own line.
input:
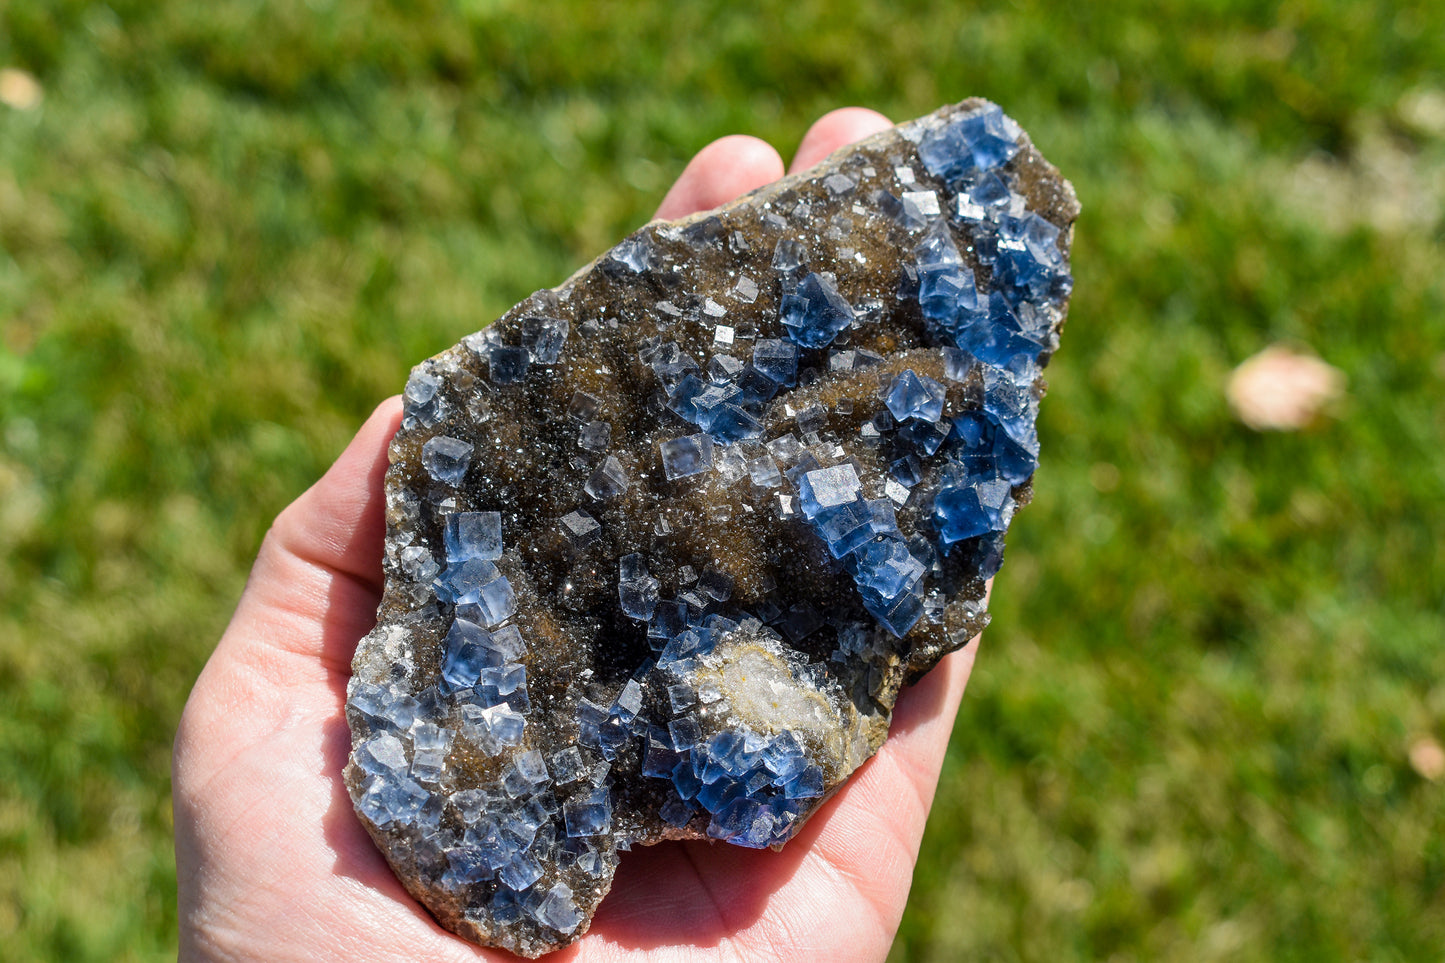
(690, 455)
(589, 814)
(473, 535)
(983, 140)
(913, 396)
(777, 359)
(817, 313)
(508, 365)
(558, 911)
(828, 488)
(543, 338)
(521, 871)
(382, 754)
(608, 481)
(446, 459)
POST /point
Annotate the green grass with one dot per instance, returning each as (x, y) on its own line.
(231, 228)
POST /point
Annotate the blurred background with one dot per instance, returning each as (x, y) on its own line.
(1207, 722)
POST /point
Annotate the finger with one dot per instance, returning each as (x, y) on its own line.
(314, 589)
(339, 522)
(912, 757)
(723, 170)
(865, 850)
(836, 129)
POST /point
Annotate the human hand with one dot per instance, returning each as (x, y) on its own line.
(273, 863)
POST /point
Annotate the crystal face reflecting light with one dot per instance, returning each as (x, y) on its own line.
(664, 543)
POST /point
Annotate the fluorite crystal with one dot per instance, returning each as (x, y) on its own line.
(665, 542)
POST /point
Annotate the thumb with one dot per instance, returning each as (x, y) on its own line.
(311, 595)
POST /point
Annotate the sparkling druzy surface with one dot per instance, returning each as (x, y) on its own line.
(664, 543)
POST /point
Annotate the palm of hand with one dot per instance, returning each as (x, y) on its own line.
(273, 863)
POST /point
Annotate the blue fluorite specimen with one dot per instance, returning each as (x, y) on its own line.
(665, 543)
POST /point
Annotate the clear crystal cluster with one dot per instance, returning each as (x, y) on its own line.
(664, 543)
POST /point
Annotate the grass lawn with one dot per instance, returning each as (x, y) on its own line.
(229, 228)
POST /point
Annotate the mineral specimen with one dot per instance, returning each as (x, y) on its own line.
(664, 543)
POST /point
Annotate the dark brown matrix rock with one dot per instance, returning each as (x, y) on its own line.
(665, 542)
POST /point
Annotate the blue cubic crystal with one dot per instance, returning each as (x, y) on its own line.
(637, 591)
(907, 471)
(966, 507)
(925, 437)
(506, 678)
(686, 779)
(903, 213)
(710, 402)
(912, 396)
(467, 651)
(634, 254)
(828, 488)
(957, 363)
(387, 798)
(608, 481)
(683, 397)
(527, 773)
(493, 727)
(461, 582)
(807, 784)
(508, 643)
(382, 754)
(581, 528)
(568, 765)
(676, 812)
(898, 615)
(558, 911)
(543, 339)
(784, 757)
(384, 705)
(473, 535)
(684, 733)
(788, 255)
(690, 455)
(947, 292)
(420, 397)
(594, 436)
(980, 141)
(777, 360)
(986, 450)
(756, 388)
(629, 701)
(723, 368)
(508, 365)
(743, 822)
(668, 620)
(496, 601)
(886, 567)
(1029, 262)
(446, 459)
(845, 527)
(521, 871)
(817, 313)
(733, 424)
(589, 814)
(660, 759)
(466, 865)
(1000, 339)
(1010, 402)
